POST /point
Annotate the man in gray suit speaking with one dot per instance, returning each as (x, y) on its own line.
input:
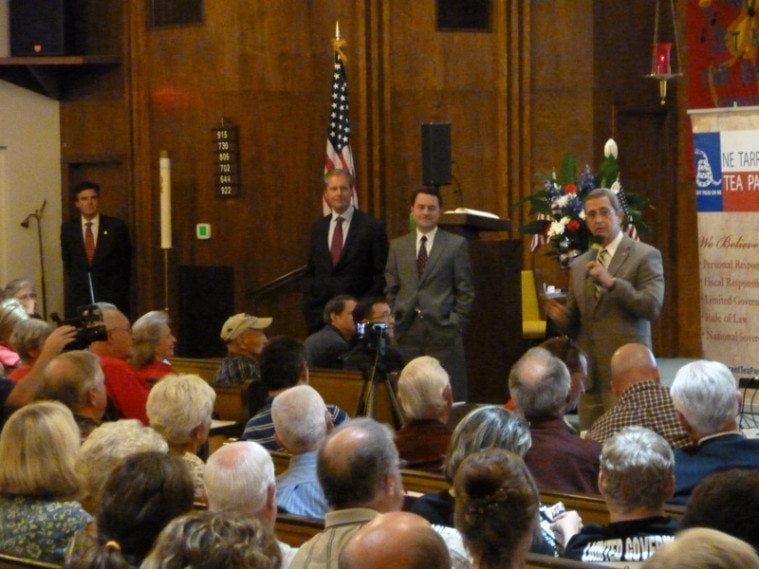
(616, 290)
(429, 286)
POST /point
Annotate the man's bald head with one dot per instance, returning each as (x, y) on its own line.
(358, 466)
(631, 364)
(401, 540)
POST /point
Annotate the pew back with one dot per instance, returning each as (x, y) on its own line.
(12, 562)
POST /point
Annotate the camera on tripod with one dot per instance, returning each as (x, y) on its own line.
(89, 326)
(371, 335)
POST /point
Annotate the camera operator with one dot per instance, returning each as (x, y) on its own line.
(374, 340)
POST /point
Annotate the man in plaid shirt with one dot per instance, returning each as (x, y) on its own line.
(642, 400)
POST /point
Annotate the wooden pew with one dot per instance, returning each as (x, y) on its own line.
(538, 561)
(423, 482)
(204, 367)
(296, 530)
(12, 562)
(281, 461)
(343, 388)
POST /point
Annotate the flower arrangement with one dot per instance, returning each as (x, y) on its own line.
(557, 209)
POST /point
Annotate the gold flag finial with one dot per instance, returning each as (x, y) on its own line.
(339, 43)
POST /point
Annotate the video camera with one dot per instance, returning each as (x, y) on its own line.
(89, 326)
(371, 335)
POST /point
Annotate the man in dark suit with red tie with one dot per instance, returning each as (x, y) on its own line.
(348, 251)
(97, 254)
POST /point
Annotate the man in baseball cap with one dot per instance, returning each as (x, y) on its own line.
(245, 338)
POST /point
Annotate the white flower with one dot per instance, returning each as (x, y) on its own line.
(610, 149)
(557, 228)
(563, 201)
(615, 187)
(582, 214)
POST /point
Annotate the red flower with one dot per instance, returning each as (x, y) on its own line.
(570, 189)
(573, 225)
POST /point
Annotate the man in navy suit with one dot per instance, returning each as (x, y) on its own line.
(706, 398)
(347, 254)
(430, 288)
(96, 252)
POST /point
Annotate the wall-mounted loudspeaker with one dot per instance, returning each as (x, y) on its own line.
(39, 27)
(436, 154)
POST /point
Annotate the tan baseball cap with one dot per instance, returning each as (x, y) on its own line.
(237, 324)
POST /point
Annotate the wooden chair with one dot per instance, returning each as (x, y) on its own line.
(533, 325)
(12, 562)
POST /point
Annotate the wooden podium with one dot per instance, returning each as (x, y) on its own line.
(493, 338)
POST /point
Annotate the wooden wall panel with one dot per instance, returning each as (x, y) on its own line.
(550, 77)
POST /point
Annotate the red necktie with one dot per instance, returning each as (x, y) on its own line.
(421, 260)
(89, 242)
(336, 248)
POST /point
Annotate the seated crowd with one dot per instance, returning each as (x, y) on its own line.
(104, 455)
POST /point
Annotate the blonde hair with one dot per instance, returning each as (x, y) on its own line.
(38, 446)
(421, 386)
(178, 404)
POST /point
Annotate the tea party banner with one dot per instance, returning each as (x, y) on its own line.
(726, 160)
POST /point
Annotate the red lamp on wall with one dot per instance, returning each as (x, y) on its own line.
(661, 53)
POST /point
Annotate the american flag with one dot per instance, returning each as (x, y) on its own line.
(338, 154)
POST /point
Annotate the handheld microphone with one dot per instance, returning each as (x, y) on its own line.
(595, 246)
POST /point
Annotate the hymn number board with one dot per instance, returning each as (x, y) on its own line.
(227, 158)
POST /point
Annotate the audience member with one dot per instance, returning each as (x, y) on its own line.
(153, 345)
(486, 427)
(425, 395)
(496, 508)
(358, 470)
(27, 340)
(25, 292)
(128, 393)
(559, 459)
(641, 399)
(11, 313)
(240, 481)
(180, 409)
(700, 548)
(245, 339)
(76, 380)
(327, 347)
(706, 398)
(38, 482)
(283, 365)
(567, 350)
(105, 448)
(727, 501)
(301, 422)
(207, 540)
(400, 540)
(142, 494)
(636, 479)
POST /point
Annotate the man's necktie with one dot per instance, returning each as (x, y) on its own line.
(421, 260)
(603, 260)
(336, 248)
(89, 242)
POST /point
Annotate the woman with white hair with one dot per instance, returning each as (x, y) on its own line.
(180, 408)
(11, 313)
(153, 345)
(38, 483)
(24, 291)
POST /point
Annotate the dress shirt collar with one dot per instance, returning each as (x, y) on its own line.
(612, 247)
(95, 223)
(707, 438)
(347, 215)
(430, 239)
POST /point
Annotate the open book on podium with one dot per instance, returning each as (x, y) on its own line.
(471, 221)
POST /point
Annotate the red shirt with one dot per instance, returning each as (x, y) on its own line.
(152, 372)
(124, 388)
(19, 373)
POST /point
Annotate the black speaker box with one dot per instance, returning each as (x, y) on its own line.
(206, 300)
(436, 154)
(39, 27)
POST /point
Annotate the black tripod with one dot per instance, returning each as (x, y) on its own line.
(373, 377)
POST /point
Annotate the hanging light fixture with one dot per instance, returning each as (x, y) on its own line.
(661, 53)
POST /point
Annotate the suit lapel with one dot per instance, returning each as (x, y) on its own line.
(438, 247)
(409, 256)
(620, 256)
(350, 242)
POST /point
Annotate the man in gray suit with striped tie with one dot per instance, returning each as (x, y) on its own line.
(615, 291)
(430, 289)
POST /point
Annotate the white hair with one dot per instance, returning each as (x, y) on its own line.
(705, 392)
(299, 417)
(421, 386)
(107, 446)
(238, 477)
(178, 404)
